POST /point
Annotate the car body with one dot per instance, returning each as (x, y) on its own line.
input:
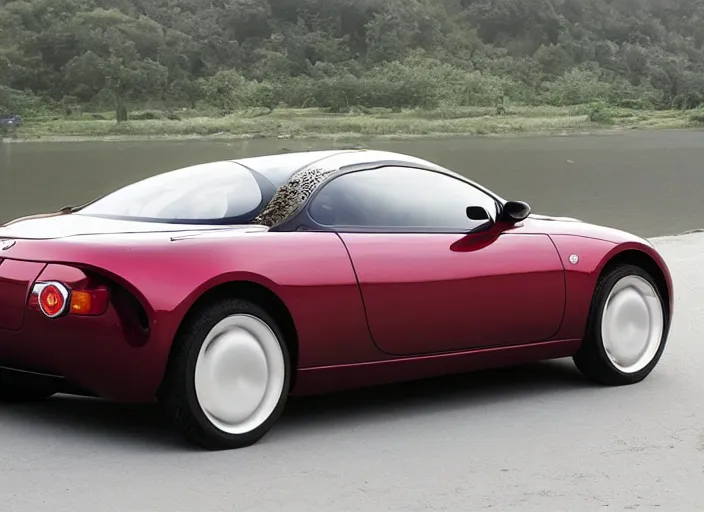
(369, 267)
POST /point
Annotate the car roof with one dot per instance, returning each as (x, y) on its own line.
(280, 168)
(296, 176)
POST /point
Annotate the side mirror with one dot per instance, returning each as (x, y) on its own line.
(480, 214)
(515, 211)
(477, 213)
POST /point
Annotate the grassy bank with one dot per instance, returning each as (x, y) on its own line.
(316, 123)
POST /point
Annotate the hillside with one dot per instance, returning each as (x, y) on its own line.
(231, 54)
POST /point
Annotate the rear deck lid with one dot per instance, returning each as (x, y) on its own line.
(62, 226)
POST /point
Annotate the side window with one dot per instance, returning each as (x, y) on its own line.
(400, 198)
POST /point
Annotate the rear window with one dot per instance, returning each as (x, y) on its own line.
(215, 192)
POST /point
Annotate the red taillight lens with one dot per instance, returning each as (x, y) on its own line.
(53, 299)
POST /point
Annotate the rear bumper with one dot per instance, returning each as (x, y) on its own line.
(111, 356)
(92, 354)
(42, 380)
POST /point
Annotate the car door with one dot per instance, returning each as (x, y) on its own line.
(429, 280)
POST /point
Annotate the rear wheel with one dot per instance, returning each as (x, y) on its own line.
(229, 376)
(627, 328)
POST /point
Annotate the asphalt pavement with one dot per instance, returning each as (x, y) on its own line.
(536, 438)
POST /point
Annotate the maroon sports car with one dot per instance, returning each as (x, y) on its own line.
(221, 289)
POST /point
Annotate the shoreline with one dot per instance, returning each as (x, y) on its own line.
(312, 124)
(342, 137)
(357, 137)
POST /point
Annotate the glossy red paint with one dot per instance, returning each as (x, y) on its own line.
(434, 292)
(310, 272)
(435, 304)
(15, 280)
(313, 381)
(595, 247)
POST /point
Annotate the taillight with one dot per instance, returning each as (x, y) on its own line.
(55, 299)
(92, 302)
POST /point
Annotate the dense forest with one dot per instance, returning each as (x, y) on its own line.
(339, 54)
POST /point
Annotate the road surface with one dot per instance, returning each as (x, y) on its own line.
(537, 438)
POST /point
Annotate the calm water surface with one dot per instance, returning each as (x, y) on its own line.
(646, 182)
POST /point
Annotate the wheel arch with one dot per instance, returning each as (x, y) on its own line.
(263, 297)
(641, 258)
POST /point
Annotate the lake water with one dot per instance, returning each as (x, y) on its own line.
(646, 182)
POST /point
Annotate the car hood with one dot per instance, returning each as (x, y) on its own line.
(47, 227)
(552, 225)
(538, 216)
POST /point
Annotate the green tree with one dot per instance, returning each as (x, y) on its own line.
(343, 53)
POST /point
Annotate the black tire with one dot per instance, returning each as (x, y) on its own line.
(178, 392)
(591, 359)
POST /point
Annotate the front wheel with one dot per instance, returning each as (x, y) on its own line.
(627, 328)
(229, 376)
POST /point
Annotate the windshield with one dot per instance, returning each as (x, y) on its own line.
(218, 192)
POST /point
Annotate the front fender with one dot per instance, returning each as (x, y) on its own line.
(584, 260)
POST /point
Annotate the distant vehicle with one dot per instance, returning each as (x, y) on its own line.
(10, 121)
(221, 289)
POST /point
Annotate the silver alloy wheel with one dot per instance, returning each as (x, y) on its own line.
(240, 374)
(632, 324)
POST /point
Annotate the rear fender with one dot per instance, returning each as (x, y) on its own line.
(311, 273)
(131, 307)
(149, 325)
